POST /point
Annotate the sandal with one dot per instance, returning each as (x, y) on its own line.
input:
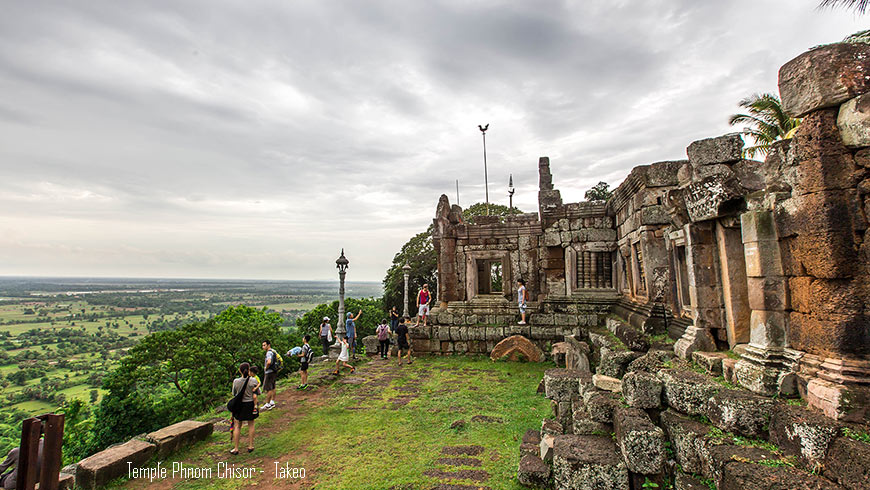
(250, 449)
(234, 452)
(352, 370)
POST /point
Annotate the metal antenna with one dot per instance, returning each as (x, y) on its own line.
(485, 176)
(457, 192)
(511, 191)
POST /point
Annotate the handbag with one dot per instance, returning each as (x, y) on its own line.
(236, 402)
(329, 335)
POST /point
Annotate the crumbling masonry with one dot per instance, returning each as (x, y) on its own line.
(761, 268)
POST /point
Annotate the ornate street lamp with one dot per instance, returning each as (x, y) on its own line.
(511, 191)
(406, 271)
(341, 264)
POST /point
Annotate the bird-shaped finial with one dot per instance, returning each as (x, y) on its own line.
(483, 128)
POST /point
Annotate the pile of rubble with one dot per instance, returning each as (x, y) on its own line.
(628, 413)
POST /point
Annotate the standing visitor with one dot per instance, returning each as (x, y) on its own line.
(305, 356)
(247, 410)
(423, 298)
(383, 333)
(325, 335)
(350, 326)
(342, 357)
(522, 297)
(270, 371)
(402, 343)
(394, 319)
(254, 373)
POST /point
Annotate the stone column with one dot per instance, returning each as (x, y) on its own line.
(340, 330)
(703, 291)
(766, 366)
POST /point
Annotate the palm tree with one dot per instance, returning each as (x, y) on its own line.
(767, 122)
(860, 6)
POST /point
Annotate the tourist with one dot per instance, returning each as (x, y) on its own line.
(325, 335)
(343, 357)
(383, 333)
(254, 370)
(350, 327)
(394, 319)
(270, 374)
(522, 297)
(247, 410)
(305, 356)
(402, 343)
(423, 298)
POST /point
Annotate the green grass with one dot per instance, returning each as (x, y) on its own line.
(378, 447)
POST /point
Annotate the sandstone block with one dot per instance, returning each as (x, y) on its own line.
(722, 149)
(767, 328)
(683, 433)
(686, 391)
(642, 443)
(802, 433)
(740, 475)
(601, 406)
(108, 464)
(515, 346)
(607, 383)
(551, 427)
(847, 462)
(169, 439)
(642, 390)
(370, 342)
(768, 293)
(588, 463)
(531, 443)
(546, 447)
(614, 363)
(651, 362)
(824, 77)
(561, 384)
(717, 455)
(728, 370)
(533, 471)
(824, 173)
(583, 425)
(709, 361)
(740, 412)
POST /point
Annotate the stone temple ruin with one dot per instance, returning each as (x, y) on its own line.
(756, 273)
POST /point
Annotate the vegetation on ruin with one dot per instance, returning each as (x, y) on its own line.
(599, 192)
(859, 6)
(766, 122)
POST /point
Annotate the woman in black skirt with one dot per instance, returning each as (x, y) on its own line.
(247, 410)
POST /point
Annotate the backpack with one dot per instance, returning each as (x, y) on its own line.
(278, 362)
(309, 355)
(383, 332)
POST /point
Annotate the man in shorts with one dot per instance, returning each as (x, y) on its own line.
(522, 297)
(269, 375)
(402, 343)
(304, 358)
(423, 299)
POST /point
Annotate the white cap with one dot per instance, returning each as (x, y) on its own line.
(326, 318)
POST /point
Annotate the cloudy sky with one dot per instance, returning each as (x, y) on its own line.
(255, 139)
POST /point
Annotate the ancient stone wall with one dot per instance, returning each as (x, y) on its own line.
(768, 259)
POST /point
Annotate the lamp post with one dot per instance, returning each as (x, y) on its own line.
(406, 271)
(511, 191)
(485, 177)
(341, 264)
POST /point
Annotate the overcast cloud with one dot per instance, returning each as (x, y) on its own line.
(255, 139)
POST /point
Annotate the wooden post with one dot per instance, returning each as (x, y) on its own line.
(52, 451)
(28, 454)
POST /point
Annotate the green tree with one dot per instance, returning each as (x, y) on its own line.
(767, 122)
(859, 6)
(419, 253)
(599, 192)
(174, 374)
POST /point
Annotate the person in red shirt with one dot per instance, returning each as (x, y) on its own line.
(423, 299)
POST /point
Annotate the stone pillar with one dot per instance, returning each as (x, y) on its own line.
(405, 271)
(732, 265)
(765, 367)
(340, 330)
(703, 291)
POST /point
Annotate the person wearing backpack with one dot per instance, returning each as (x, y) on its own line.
(383, 333)
(270, 374)
(305, 356)
(246, 386)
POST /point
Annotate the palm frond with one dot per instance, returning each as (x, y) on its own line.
(859, 6)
